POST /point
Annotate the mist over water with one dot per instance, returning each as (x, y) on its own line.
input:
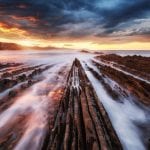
(28, 116)
(122, 116)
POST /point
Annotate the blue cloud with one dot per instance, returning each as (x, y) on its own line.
(104, 17)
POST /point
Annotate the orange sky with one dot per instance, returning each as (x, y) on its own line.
(24, 38)
(88, 24)
(15, 34)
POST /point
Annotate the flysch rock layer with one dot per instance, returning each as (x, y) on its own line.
(81, 121)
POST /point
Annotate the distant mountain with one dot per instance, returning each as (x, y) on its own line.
(14, 46)
(84, 51)
(9, 46)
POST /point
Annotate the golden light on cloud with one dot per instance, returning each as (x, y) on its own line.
(117, 46)
(31, 42)
(22, 37)
(77, 25)
(11, 30)
(29, 18)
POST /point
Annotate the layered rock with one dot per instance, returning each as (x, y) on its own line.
(137, 65)
(15, 82)
(136, 87)
(81, 121)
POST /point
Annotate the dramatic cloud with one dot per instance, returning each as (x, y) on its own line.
(77, 18)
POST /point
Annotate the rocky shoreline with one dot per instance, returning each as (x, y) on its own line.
(81, 121)
(75, 116)
(137, 65)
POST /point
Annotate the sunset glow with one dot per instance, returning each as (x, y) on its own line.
(74, 74)
(106, 26)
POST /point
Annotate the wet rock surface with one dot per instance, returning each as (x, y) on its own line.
(6, 65)
(81, 121)
(19, 116)
(93, 103)
(137, 65)
(138, 88)
(19, 82)
(126, 85)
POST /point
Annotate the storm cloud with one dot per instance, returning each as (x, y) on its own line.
(77, 18)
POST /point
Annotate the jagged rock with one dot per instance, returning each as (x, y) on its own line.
(22, 77)
(6, 83)
(137, 65)
(81, 121)
(138, 88)
(12, 93)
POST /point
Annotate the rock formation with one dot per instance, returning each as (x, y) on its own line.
(81, 121)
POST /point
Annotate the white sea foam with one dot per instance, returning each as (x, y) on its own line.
(122, 115)
(35, 103)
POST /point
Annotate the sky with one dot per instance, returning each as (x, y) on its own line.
(77, 24)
